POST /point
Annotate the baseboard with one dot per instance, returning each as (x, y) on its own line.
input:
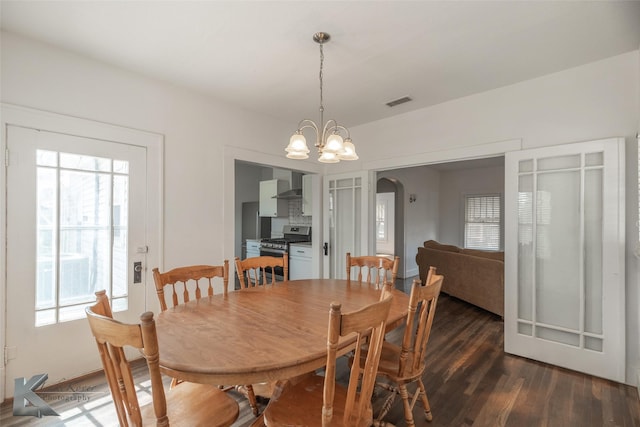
(638, 382)
(411, 273)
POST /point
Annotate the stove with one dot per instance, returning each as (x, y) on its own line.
(278, 247)
(292, 234)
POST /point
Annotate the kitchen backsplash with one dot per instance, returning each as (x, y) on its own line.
(295, 218)
(295, 213)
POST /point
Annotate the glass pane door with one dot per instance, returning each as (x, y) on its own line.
(564, 290)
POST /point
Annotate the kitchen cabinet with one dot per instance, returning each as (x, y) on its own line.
(307, 202)
(300, 261)
(270, 206)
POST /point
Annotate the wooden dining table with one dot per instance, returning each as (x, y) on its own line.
(261, 334)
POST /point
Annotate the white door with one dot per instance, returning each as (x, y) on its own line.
(76, 212)
(385, 223)
(564, 256)
(347, 214)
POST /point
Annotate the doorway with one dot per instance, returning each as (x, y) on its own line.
(389, 228)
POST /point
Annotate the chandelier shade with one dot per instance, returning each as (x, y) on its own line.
(329, 141)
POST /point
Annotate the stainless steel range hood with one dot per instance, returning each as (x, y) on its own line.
(295, 193)
(295, 184)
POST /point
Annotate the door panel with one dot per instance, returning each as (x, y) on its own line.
(347, 216)
(76, 221)
(564, 259)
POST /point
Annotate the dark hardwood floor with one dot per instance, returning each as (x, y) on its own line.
(470, 381)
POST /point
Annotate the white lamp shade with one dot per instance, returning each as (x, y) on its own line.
(297, 145)
(334, 144)
(349, 152)
(328, 157)
(297, 155)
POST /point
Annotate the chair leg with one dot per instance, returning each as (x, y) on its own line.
(388, 402)
(247, 391)
(408, 413)
(425, 401)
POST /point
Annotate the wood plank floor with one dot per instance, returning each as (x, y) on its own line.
(470, 381)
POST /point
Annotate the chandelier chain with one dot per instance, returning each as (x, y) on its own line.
(321, 76)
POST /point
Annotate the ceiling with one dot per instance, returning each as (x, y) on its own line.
(260, 55)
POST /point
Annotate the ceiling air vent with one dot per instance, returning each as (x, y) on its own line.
(399, 101)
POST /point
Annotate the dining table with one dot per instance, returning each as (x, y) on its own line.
(261, 334)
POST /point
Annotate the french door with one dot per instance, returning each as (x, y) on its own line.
(76, 223)
(564, 256)
(348, 208)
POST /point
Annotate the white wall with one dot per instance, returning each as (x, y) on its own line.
(456, 184)
(421, 218)
(595, 101)
(196, 130)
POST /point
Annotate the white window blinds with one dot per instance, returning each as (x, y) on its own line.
(482, 222)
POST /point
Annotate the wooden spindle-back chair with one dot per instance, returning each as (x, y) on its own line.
(402, 365)
(188, 404)
(319, 400)
(379, 269)
(255, 271)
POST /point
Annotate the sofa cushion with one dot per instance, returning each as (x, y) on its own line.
(484, 254)
(432, 244)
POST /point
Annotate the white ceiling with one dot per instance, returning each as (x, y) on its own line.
(260, 55)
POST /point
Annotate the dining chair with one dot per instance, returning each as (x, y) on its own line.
(402, 365)
(182, 284)
(189, 404)
(186, 283)
(318, 400)
(380, 269)
(261, 270)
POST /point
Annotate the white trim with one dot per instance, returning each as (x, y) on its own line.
(468, 152)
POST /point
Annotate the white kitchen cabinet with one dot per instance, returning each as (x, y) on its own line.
(307, 202)
(300, 261)
(270, 206)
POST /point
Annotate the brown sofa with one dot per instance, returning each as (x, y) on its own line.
(474, 276)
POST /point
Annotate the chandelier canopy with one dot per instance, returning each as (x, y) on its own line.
(331, 145)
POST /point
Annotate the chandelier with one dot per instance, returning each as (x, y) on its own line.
(332, 147)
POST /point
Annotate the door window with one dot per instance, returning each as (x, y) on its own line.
(82, 205)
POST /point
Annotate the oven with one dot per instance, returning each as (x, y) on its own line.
(274, 252)
(278, 247)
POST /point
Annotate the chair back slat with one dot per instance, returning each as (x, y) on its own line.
(378, 269)
(253, 271)
(422, 308)
(185, 283)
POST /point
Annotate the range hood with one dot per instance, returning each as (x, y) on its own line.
(295, 193)
(295, 184)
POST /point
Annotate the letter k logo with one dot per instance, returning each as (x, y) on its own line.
(24, 393)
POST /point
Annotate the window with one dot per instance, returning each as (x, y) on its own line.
(82, 234)
(482, 222)
(381, 223)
